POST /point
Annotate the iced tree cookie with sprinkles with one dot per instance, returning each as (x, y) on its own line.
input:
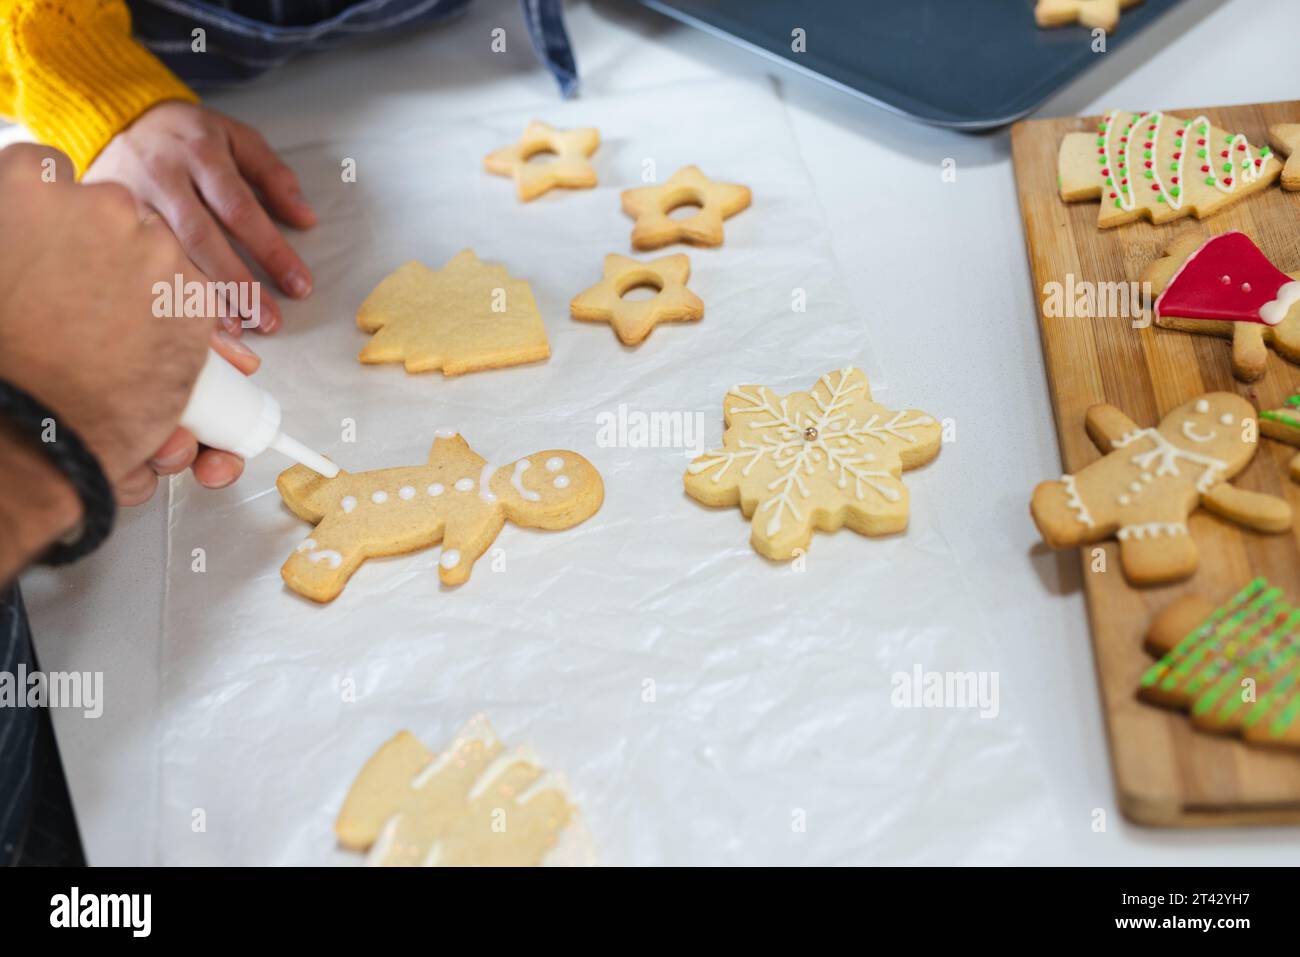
(1160, 167)
(1284, 425)
(1149, 481)
(456, 498)
(1225, 286)
(820, 459)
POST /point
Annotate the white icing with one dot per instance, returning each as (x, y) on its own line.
(1226, 418)
(1166, 455)
(349, 503)
(379, 498)
(463, 485)
(435, 489)
(445, 433)
(384, 843)
(1202, 406)
(1074, 502)
(1124, 500)
(1274, 312)
(554, 463)
(499, 766)
(517, 481)
(561, 481)
(1151, 530)
(406, 493)
(1189, 430)
(306, 545)
(314, 554)
(450, 558)
(484, 478)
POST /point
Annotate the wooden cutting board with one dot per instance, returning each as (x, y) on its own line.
(1165, 773)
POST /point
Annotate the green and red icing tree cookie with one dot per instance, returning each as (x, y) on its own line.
(1160, 167)
(1284, 425)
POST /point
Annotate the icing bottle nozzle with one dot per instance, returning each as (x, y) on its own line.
(227, 411)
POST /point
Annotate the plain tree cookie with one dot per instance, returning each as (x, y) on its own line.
(1149, 481)
(456, 498)
(1157, 166)
(823, 459)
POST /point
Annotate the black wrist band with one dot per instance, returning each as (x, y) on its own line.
(65, 450)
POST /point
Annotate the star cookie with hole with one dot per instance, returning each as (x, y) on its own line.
(1159, 167)
(1284, 425)
(820, 459)
(650, 206)
(1285, 138)
(1225, 286)
(633, 319)
(1094, 14)
(570, 168)
(467, 316)
(1149, 481)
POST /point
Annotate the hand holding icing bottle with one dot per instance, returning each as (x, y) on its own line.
(227, 411)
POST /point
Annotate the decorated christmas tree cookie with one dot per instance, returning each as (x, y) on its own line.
(1284, 425)
(1225, 286)
(1158, 166)
(822, 459)
(1235, 668)
(1150, 480)
(1103, 14)
(456, 498)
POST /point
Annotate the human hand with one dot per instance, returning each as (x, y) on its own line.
(198, 169)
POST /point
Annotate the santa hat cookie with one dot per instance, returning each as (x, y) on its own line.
(1225, 286)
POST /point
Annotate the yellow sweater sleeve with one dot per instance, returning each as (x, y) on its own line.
(72, 74)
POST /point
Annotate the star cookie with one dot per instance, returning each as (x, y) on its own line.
(467, 316)
(1088, 13)
(650, 206)
(820, 459)
(1285, 138)
(1284, 425)
(633, 319)
(568, 170)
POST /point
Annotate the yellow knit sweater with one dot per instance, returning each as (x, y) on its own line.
(71, 73)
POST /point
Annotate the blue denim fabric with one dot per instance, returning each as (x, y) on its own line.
(245, 38)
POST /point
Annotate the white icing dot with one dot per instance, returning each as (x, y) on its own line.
(463, 485)
(306, 545)
(379, 498)
(348, 503)
(1135, 487)
(450, 558)
(435, 489)
(1226, 418)
(1124, 500)
(1202, 406)
(406, 492)
(561, 481)
(554, 463)
(1147, 477)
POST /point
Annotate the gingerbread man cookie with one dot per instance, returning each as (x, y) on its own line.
(1224, 286)
(569, 169)
(467, 316)
(1285, 138)
(477, 804)
(1284, 425)
(1235, 668)
(1157, 166)
(822, 459)
(633, 320)
(1094, 14)
(650, 206)
(1150, 480)
(456, 498)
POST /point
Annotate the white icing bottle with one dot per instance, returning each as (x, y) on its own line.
(227, 411)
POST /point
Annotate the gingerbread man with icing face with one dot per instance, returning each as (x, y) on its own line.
(1150, 480)
(456, 498)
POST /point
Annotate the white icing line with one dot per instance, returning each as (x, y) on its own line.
(445, 433)
(484, 482)
(517, 481)
(1073, 500)
(1272, 313)
(1152, 529)
(498, 767)
(384, 843)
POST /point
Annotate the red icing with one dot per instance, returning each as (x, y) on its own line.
(1227, 278)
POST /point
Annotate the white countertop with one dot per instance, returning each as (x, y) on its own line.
(940, 277)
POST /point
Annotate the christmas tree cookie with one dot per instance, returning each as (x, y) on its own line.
(1103, 14)
(823, 459)
(1224, 286)
(1160, 167)
(456, 498)
(1285, 138)
(1150, 480)
(1235, 668)
(1284, 425)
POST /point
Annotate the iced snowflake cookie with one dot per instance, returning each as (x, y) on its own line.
(1235, 668)
(467, 316)
(569, 169)
(456, 498)
(1157, 166)
(822, 459)
(1285, 138)
(1094, 14)
(477, 804)
(633, 319)
(1150, 480)
(1284, 425)
(1225, 286)
(650, 206)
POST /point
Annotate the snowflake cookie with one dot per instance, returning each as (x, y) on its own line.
(456, 498)
(1094, 14)
(569, 169)
(1150, 480)
(822, 459)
